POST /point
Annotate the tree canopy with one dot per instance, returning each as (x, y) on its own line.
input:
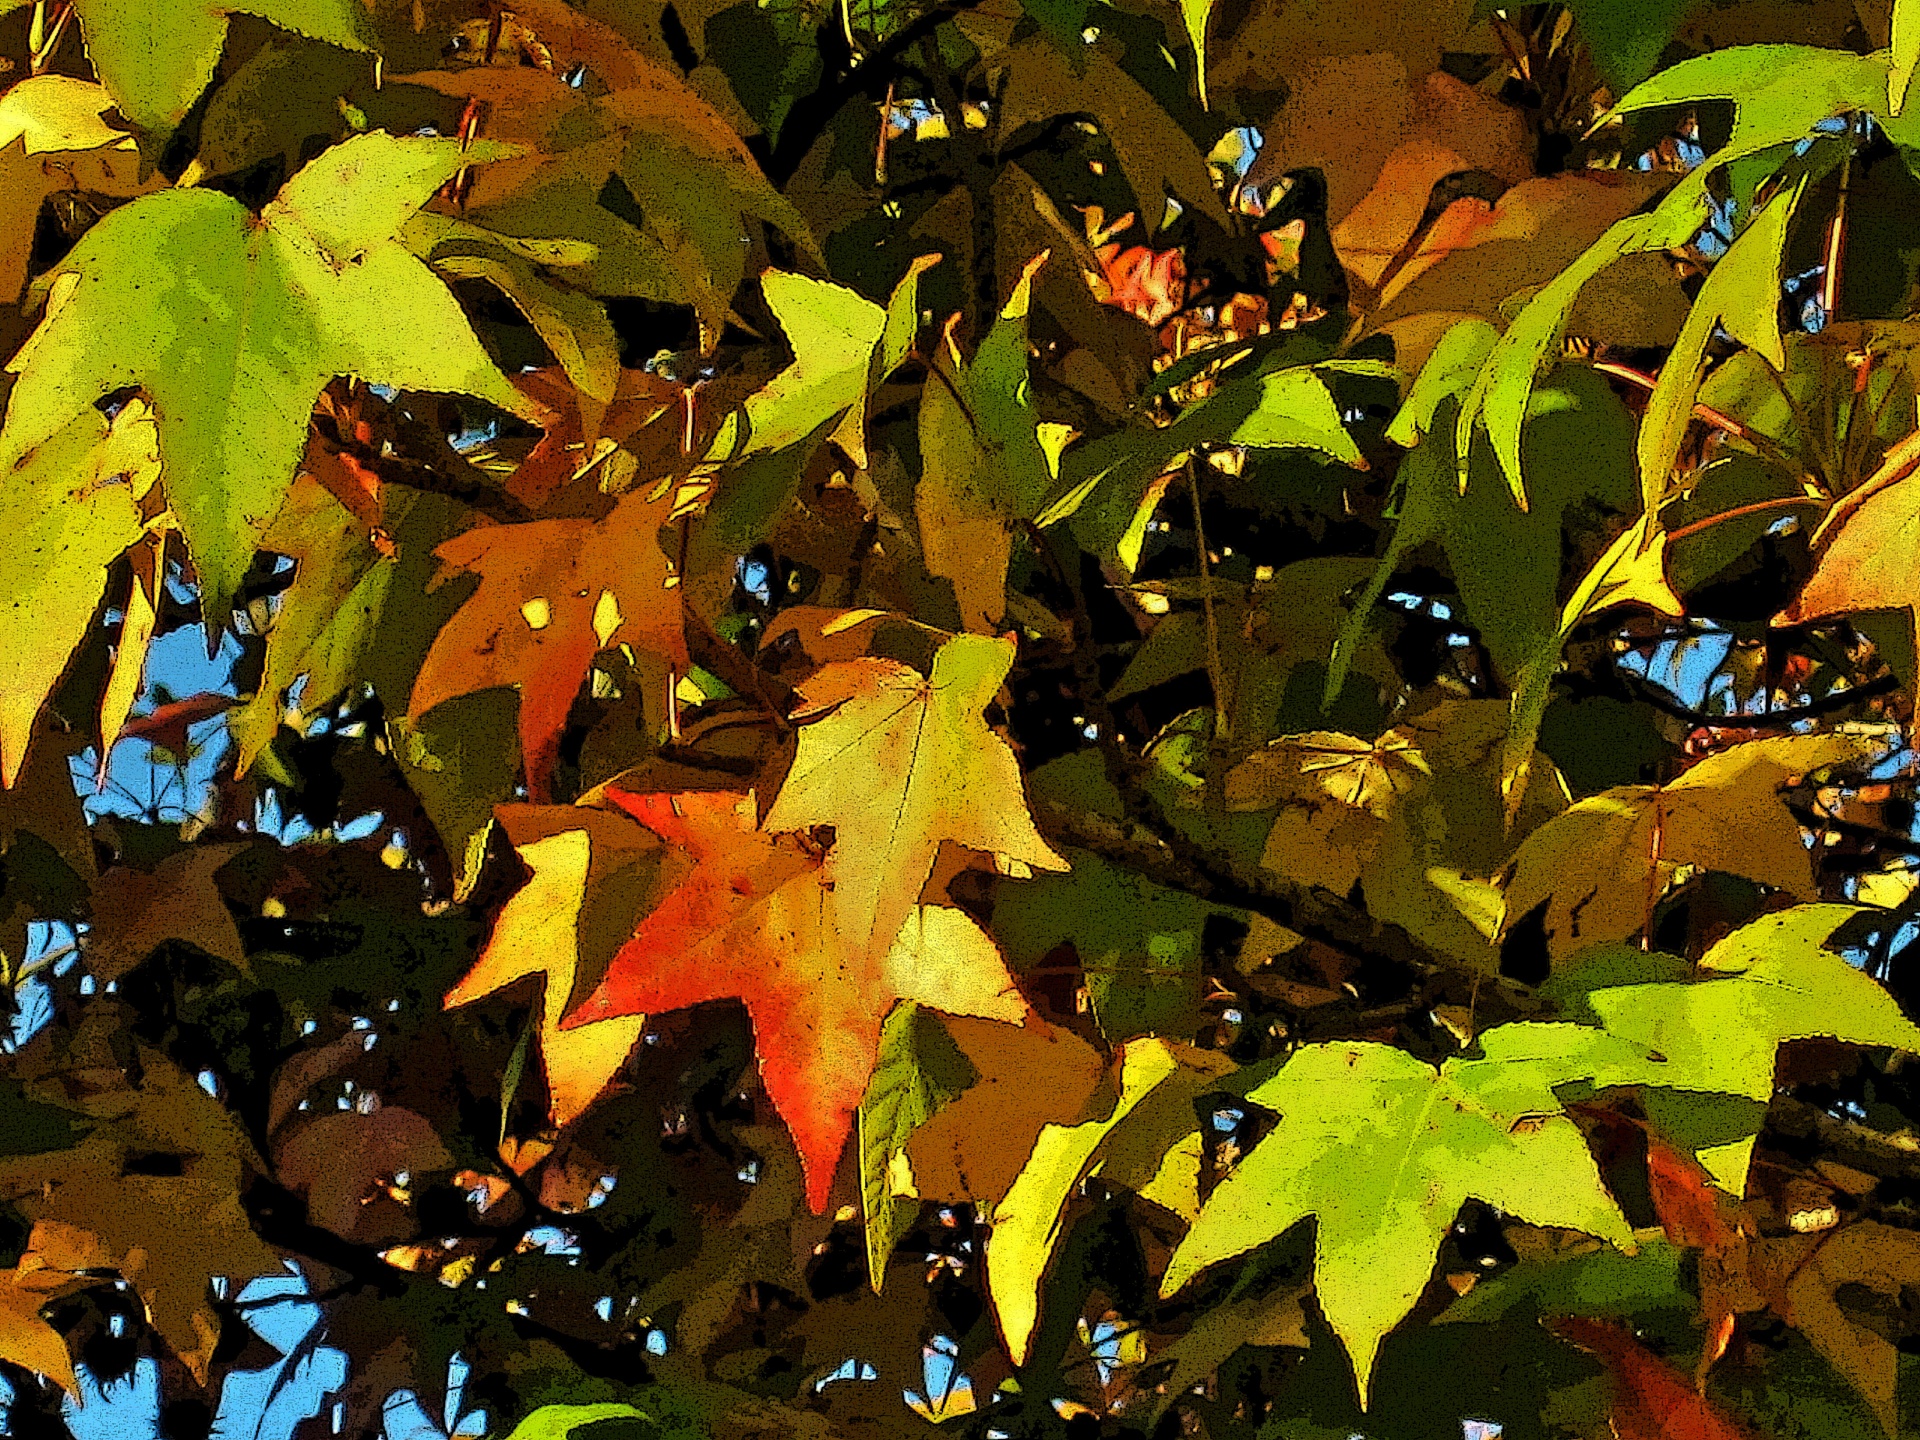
(1018, 718)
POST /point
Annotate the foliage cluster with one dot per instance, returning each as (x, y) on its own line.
(1043, 718)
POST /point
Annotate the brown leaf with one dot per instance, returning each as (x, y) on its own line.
(136, 911)
(340, 1161)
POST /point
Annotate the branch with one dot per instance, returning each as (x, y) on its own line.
(810, 115)
(1170, 859)
(1765, 720)
(1876, 1152)
(413, 474)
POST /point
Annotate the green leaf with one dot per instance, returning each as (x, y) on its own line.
(984, 467)
(156, 56)
(564, 1422)
(843, 346)
(1600, 867)
(1597, 1281)
(1905, 54)
(1384, 1149)
(233, 324)
(1741, 296)
(1499, 397)
(1626, 37)
(1289, 408)
(1139, 942)
(1769, 982)
(1027, 1221)
(1194, 15)
(69, 506)
(919, 1070)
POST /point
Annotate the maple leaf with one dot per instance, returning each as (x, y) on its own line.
(153, 1192)
(1384, 1149)
(899, 763)
(690, 182)
(756, 917)
(552, 593)
(539, 932)
(25, 1336)
(53, 138)
(1768, 982)
(1602, 865)
(234, 347)
(1871, 554)
(70, 507)
(136, 911)
(156, 56)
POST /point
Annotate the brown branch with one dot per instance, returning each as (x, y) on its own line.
(1170, 859)
(411, 473)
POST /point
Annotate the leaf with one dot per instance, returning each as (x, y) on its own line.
(26, 1338)
(1194, 15)
(340, 1161)
(1384, 1149)
(1139, 942)
(755, 916)
(1868, 562)
(684, 183)
(1602, 866)
(54, 139)
(1884, 1260)
(1027, 1077)
(155, 57)
(564, 1422)
(983, 466)
(1476, 257)
(1501, 394)
(843, 346)
(137, 911)
(1155, 153)
(1651, 1400)
(1742, 297)
(1026, 1222)
(918, 1071)
(152, 1192)
(552, 594)
(899, 763)
(542, 931)
(1576, 445)
(70, 505)
(1769, 982)
(1414, 818)
(234, 352)
(1905, 54)
(1627, 37)
(1288, 408)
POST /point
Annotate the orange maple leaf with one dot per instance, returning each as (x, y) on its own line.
(552, 593)
(751, 919)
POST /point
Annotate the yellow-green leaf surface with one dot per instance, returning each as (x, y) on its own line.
(69, 507)
(1026, 1223)
(156, 56)
(1383, 1149)
(1769, 982)
(233, 323)
(1500, 395)
(1905, 56)
(843, 345)
(1741, 296)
